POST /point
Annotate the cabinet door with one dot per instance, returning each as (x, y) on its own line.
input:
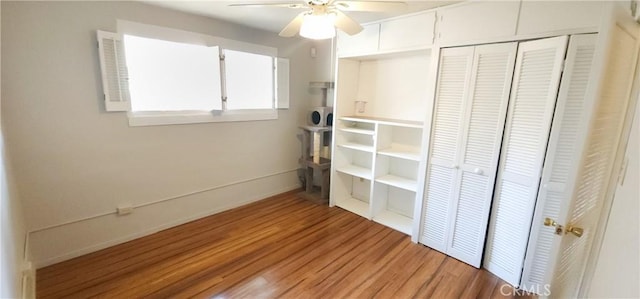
(477, 21)
(408, 32)
(532, 103)
(452, 88)
(364, 42)
(553, 16)
(486, 110)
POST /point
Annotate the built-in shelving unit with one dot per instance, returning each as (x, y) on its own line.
(378, 150)
(376, 169)
(383, 100)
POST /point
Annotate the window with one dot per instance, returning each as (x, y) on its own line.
(249, 80)
(169, 76)
(166, 76)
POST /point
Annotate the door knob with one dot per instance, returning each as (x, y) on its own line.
(549, 222)
(478, 171)
(576, 231)
(553, 223)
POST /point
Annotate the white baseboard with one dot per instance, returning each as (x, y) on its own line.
(64, 242)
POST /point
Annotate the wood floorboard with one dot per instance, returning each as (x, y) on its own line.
(153, 241)
(280, 247)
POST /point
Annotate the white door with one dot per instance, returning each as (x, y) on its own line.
(568, 121)
(531, 106)
(471, 104)
(593, 181)
(452, 89)
(483, 124)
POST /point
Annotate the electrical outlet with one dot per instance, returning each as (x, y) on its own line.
(124, 209)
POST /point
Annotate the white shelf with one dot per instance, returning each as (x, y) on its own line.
(357, 171)
(385, 121)
(357, 146)
(354, 206)
(358, 131)
(394, 220)
(401, 153)
(399, 182)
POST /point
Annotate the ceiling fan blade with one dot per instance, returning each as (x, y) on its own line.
(267, 4)
(369, 5)
(293, 27)
(347, 24)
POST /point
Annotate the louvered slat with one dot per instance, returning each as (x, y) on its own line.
(561, 157)
(532, 103)
(483, 125)
(466, 231)
(452, 87)
(488, 107)
(436, 207)
(115, 79)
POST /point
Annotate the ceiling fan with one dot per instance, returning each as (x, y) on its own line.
(323, 17)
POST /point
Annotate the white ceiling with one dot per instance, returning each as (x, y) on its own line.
(274, 18)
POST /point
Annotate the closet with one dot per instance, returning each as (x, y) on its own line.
(475, 166)
(471, 101)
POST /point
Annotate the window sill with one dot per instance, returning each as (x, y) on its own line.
(160, 118)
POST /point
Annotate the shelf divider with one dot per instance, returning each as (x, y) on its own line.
(355, 206)
(356, 171)
(399, 182)
(394, 220)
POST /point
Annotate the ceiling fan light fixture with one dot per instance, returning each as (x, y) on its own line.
(318, 26)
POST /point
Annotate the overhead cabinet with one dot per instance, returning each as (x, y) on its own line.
(365, 42)
(410, 32)
(475, 22)
(543, 17)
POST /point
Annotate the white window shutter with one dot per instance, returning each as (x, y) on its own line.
(531, 107)
(115, 79)
(282, 83)
(453, 86)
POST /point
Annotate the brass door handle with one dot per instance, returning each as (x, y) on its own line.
(576, 231)
(549, 222)
(553, 223)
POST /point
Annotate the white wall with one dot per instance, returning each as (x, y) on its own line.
(13, 234)
(75, 161)
(12, 230)
(618, 269)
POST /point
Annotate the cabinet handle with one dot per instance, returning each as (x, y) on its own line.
(455, 166)
(478, 171)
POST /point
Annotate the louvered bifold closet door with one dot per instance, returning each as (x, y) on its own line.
(597, 174)
(562, 158)
(485, 112)
(531, 106)
(453, 85)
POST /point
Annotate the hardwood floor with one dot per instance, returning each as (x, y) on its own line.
(284, 247)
